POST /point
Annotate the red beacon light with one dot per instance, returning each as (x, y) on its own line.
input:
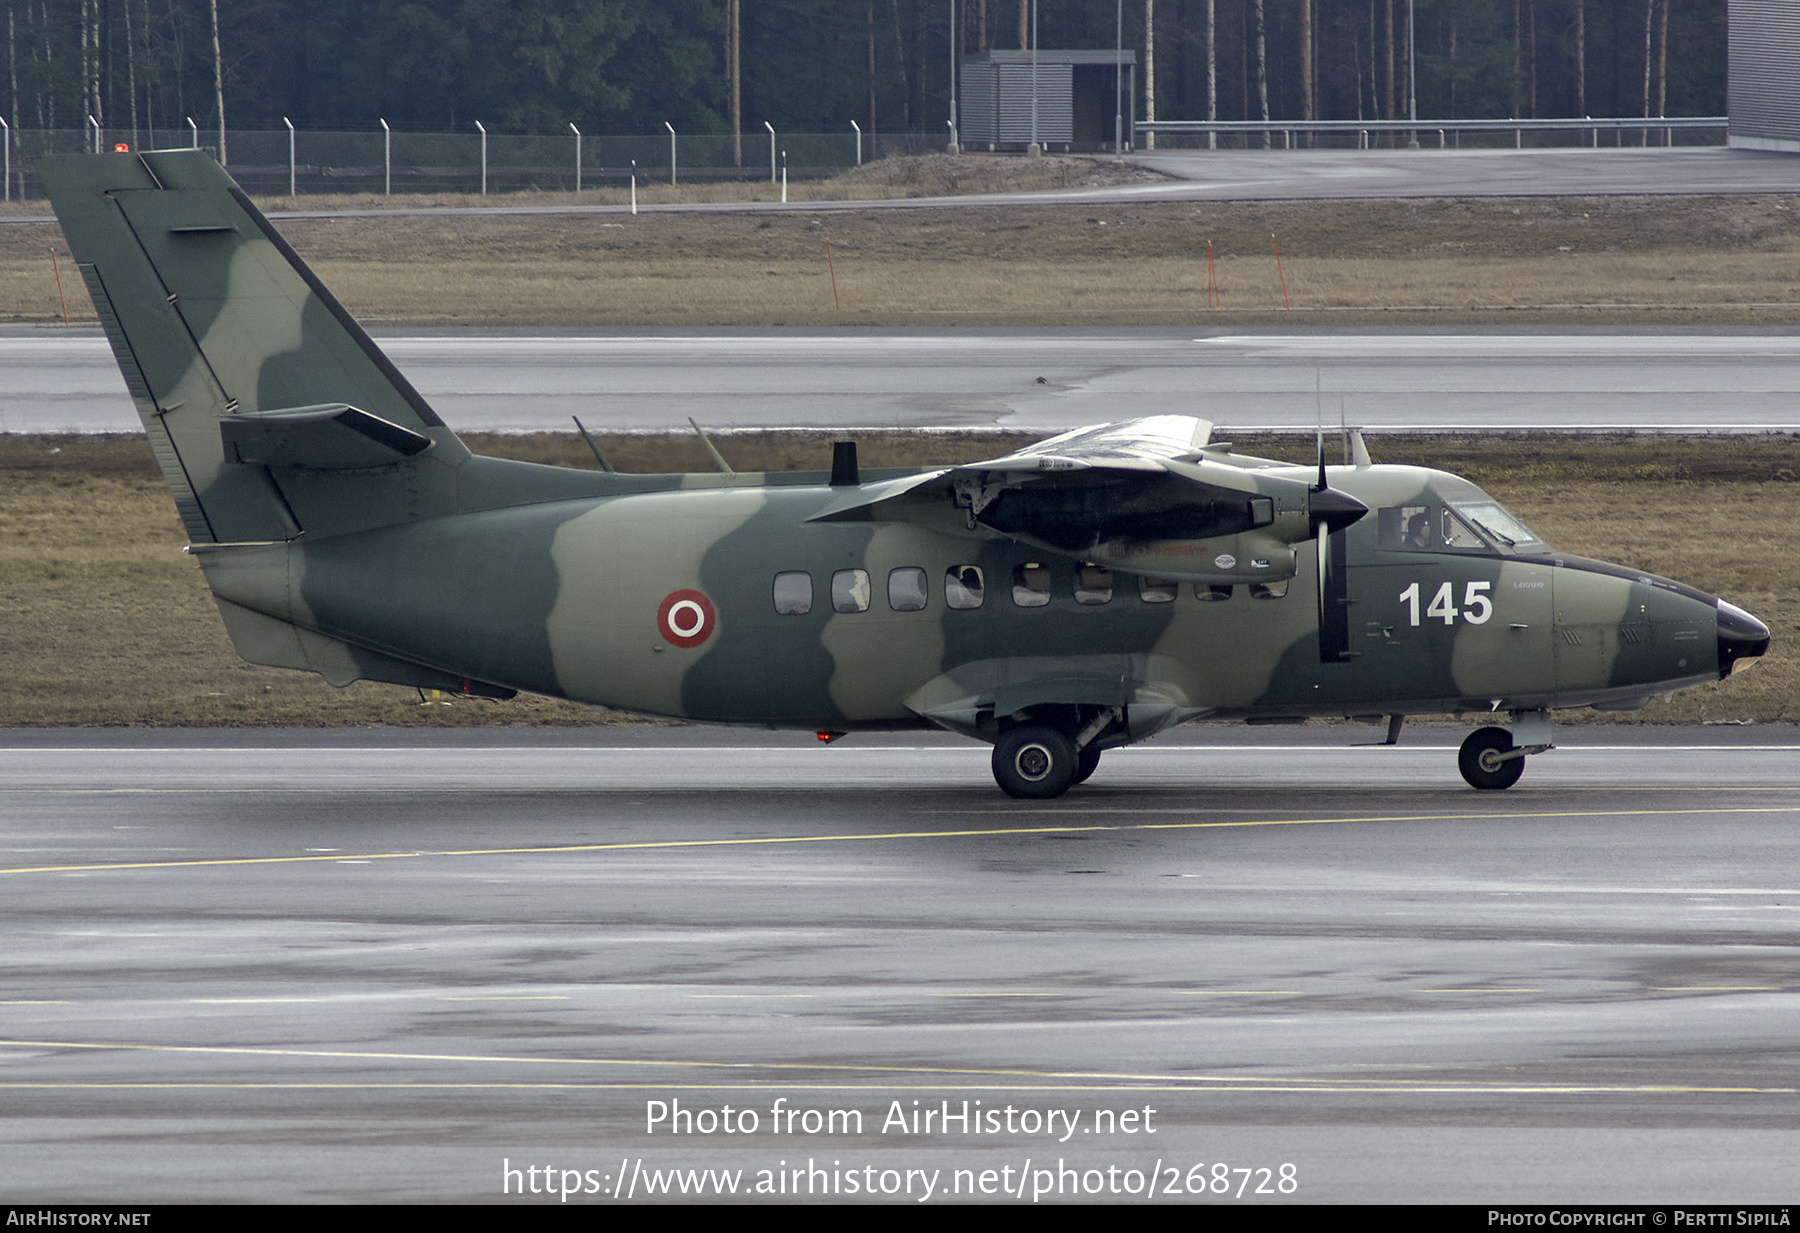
(121, 147)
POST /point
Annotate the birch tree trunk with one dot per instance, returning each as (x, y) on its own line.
(218, 81)
(1262, 70)
(1150, 69)
(1581, 57)
(131, 73)
(1389, 110)
(734, 58)
(1662, 67)
(1307, 102)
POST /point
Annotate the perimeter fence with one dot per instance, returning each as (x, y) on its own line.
(396, 162)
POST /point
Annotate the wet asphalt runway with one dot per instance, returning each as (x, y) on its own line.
(1659, 380)
(388, 966)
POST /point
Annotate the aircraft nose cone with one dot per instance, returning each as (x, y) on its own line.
(1335, 509)
(1741, 636)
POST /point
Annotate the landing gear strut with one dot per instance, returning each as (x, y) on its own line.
(1495, 757)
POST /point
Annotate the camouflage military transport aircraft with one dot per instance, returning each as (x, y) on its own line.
(1070, 598)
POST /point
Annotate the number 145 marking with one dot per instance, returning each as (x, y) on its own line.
(1476, 606)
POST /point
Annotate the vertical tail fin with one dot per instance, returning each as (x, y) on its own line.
(216, 324)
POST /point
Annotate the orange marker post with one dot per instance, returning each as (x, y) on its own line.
(833, 269)
(57, 270)
(1212, 279)
(1278, 273)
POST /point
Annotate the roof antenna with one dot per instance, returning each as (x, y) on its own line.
(707, 442)
(598, 456)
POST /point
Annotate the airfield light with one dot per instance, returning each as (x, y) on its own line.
(290, 129)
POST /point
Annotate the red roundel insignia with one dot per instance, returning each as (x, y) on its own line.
(686, 618)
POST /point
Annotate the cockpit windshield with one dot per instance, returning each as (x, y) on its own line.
(1492, 520)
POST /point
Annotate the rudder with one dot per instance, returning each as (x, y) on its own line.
(217, 323)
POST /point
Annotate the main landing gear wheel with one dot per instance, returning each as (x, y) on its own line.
(1086, 763)
(1033, 762)
(1480, 761)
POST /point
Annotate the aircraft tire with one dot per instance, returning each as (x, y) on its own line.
(1478, 764)
(1034, 762)
(1086, 763)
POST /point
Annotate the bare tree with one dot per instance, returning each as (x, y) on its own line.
(1390, 113)
(12, 66)
(1662, 66)
(733, 61)
(131, 73)
(1212, 73)
(1518, 73)
(218, 80)
(1307, 102)
(900, 55)
(1531, 71)
(1581, 57)
(1150, 70)
(1262, 69)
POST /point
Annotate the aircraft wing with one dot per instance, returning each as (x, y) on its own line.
(1146, 495)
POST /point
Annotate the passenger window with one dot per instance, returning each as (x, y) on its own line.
(1268, 590)
(1156, 590)
(850, 590)
(906, 589)
(1212, 592)
(1031, 585)
(1093, 584)
(962, 586)
(1405, 526)
(793, 593)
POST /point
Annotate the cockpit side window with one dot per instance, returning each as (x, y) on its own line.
(1456, 532)
(1405, 527)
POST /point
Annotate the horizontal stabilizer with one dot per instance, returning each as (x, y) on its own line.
(330, 437)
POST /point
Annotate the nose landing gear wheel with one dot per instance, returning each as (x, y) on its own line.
(1034, 762)
(1480, 761)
